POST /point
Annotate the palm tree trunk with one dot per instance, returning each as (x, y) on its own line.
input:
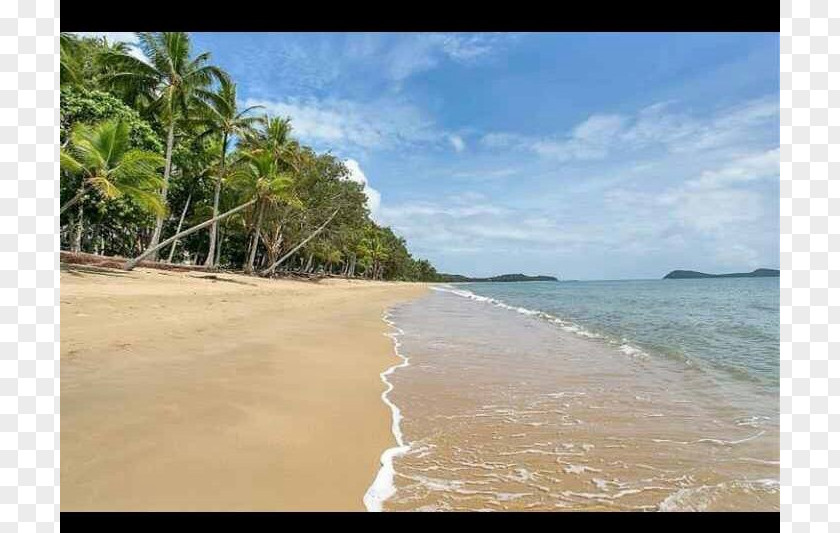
(249, 265)
(73, 201)
(170, 142)
(219, 247)
(351, 268)
(214, 229)
(180, 223)
(77, 234)
(300, 245)
(130, 264)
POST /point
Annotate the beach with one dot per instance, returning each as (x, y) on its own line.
(191, 391)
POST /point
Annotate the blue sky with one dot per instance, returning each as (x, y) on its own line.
(586, 156)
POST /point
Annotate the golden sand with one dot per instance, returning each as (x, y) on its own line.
(183, 392)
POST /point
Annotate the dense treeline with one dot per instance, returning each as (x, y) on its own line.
(159, 162)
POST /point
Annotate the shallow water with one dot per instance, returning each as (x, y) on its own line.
(512, 404)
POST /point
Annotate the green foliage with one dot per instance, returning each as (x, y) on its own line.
(102, 156)
(116, 111)
(82, 106)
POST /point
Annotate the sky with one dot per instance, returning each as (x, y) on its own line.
(578, 155)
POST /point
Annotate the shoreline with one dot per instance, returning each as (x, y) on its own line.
(383, 486)
(556, 419)
(187, 392)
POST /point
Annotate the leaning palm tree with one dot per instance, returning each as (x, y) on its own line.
(167, 85)
(101, 154)
(220, 116)
(259, 176)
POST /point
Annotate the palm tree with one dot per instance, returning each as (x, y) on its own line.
(373, 248)
(101, 155)
(275, 136)
(221, 117)
(167, 85)
(260, 177)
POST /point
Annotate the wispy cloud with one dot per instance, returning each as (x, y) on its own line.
(656, 126)
(345, 124)
(646, 187)
(410, 54)
(746, 168)
(486, 174)
(457, 143)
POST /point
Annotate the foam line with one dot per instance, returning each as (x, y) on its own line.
(383, 487)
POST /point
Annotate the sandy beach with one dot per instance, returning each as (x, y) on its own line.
(179, 391)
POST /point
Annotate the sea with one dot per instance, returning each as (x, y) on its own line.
(648, 395)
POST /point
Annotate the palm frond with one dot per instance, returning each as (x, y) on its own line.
(68, 163)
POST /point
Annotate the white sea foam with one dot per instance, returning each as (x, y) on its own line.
(719, 442)
(703, 497)
(383, 487)
(632, 351)
(571, 468)
(565, 325)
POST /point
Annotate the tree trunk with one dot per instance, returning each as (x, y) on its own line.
(77, 233)
(351, 269)
(219, 247)
(180, 223)
(274, 246)
(308, 268)
(300, 245)
(73, 201)
(130, 264)
(249, 265)
(214, 229)
(170, 142)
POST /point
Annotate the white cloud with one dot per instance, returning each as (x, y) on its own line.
(710, 211)
(647, 190)
(489, 174)
(591, 139)
(335, 124)
(374, 198)
(605, 135)
(503, 140)
(419, 52)
(747, 168)
(457, 143)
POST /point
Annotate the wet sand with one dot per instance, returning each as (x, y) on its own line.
(189, 393)
(504, 411)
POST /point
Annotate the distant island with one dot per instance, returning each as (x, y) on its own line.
(691, 274)
(456, 278)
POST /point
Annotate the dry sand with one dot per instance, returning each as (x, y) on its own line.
(182, 392)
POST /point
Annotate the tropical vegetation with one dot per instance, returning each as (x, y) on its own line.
(159, 162)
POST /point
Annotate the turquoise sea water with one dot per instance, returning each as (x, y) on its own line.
(729, 325)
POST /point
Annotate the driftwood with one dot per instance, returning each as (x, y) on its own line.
(117, 262)
(112, 261)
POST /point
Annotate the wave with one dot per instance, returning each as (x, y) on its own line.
(623, 345)
(708, 497)
(383, 487)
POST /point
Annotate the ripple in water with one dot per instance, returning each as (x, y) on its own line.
(508, 410)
